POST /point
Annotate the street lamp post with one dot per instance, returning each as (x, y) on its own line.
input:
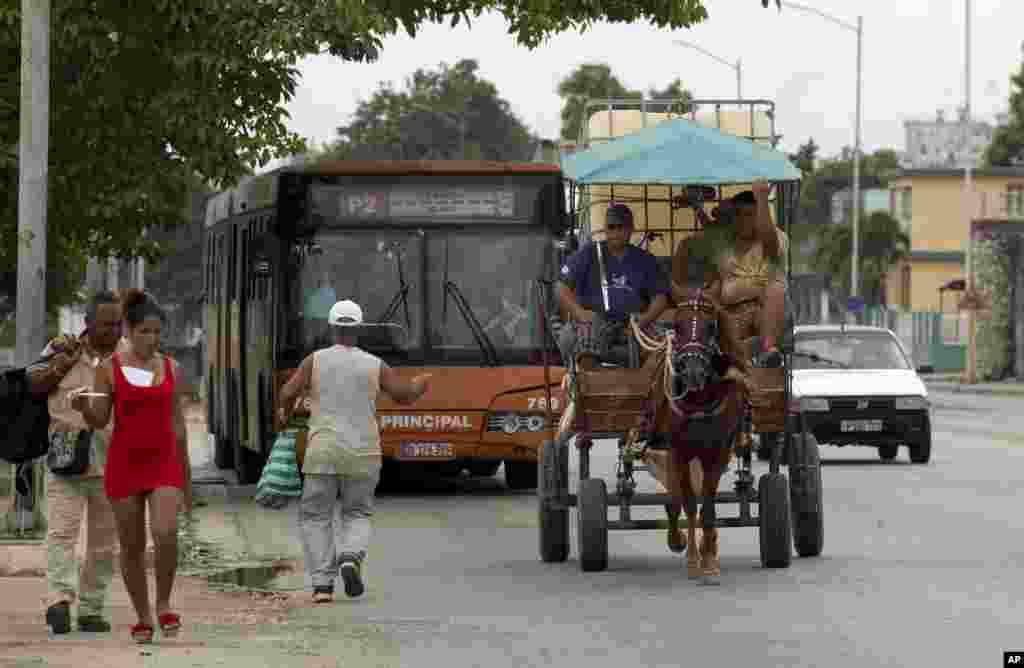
(737, 66)
(858, 29)
(972, 341)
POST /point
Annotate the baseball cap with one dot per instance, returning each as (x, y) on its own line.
(619, 213)
(345, 313)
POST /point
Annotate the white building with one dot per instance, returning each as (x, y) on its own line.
(945, 143)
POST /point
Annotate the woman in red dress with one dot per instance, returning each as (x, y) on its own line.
(147, 459)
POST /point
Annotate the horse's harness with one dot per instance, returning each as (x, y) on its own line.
(692, 348)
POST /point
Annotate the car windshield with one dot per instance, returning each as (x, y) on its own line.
(853, 350)
(470, 291)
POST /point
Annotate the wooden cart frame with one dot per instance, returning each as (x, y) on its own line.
(788, 510)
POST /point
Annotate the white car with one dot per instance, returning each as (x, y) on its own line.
(856, 385)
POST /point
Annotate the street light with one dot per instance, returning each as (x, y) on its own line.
(859, 30)
(738, 66)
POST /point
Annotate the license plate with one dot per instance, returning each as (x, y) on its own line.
(426, 451)
(860, 425)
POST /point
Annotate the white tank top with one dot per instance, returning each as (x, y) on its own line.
(344, 438)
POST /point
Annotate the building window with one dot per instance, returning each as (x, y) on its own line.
(1015, 200)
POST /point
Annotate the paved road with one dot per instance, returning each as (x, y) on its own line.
(922, 567)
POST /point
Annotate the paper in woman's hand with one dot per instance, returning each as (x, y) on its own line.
(138, 377)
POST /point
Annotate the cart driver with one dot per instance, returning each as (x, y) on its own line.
(636, 286)
(746, 272)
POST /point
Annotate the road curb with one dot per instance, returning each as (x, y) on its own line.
(959, 388)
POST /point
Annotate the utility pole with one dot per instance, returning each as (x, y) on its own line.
(971, 376)
(855, 263)
(858, 29)
(33, 163)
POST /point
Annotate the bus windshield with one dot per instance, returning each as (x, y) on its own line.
(400, 275)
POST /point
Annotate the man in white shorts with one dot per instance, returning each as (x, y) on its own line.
(343, 456)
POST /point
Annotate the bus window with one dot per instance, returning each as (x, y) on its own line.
(366, 266)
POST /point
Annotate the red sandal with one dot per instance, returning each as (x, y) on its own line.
(170, 624)
(142, 634)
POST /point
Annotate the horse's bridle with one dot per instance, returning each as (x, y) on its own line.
(694, 348)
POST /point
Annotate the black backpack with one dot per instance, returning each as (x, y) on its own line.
(24, 417)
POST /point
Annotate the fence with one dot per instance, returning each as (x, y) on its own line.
(938, 340)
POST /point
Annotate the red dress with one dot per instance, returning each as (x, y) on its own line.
(143, 453)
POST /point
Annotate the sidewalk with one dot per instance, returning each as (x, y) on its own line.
(953, 383)
(225, 624)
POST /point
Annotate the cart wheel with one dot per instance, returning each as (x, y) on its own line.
(775, 529)
(592, 524)
(805, 495)
(554, 483)
(764, 446)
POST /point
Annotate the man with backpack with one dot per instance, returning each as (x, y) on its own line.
(75, 459)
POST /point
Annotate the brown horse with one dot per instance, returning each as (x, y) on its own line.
(697, 403)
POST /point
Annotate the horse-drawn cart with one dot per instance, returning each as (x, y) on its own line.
(668, 172)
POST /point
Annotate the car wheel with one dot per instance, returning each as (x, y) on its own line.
(887, 453)
(921, 453)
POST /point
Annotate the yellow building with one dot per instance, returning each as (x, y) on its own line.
(930, 205)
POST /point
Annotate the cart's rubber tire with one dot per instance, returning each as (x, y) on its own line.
(764, 446)
(805, 495)
(592, 524)
(554, 483)
(887, 453)
(520, 475)
(774, 517)
(921, 452)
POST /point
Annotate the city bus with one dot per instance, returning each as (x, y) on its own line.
(458, 255)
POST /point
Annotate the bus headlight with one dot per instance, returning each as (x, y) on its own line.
(514, 423)
(510, 424)
(911, 404)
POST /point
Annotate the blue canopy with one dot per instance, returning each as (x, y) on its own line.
(678, 152)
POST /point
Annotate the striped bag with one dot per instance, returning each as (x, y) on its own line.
(280, 482)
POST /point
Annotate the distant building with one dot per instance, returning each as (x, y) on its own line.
(930, 202)
(943, 144)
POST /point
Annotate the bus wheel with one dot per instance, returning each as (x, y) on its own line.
(223, 453)
(521, 475)
(484, 469)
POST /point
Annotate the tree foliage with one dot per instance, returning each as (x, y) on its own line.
(595, 81)
(1007, 147)
(442, 114)
(148, 97)
(883, 243)
(806, 157)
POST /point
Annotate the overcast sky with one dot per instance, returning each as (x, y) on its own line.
(913, 64)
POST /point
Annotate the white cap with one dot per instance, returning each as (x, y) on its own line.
(345, 313)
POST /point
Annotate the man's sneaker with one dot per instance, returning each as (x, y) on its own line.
(323, 594)
(93, 624)
(58, 617)
(351, 574)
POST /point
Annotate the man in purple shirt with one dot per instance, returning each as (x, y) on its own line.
(636, 286)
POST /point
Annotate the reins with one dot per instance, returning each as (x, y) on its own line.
(667, 347)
